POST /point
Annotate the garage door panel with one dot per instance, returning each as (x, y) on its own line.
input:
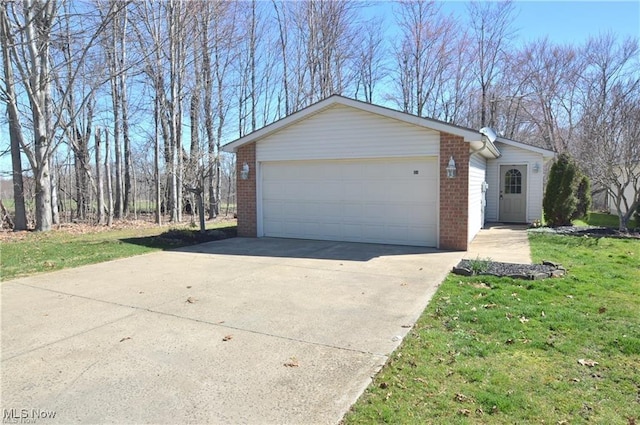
(273, 210)
(327, 190)
(353, 231)
(381, 201)
(353, 191)
(415, 213)
(352, 211)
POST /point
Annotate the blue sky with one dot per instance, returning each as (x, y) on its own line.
(561, 21)
(573, 21)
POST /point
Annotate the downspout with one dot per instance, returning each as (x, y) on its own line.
(487, 135)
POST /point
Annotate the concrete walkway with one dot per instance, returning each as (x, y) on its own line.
(507, 243)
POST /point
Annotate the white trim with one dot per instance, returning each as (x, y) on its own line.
(259, 224)
(438, 203)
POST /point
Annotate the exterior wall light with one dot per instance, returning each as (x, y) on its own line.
(536, 168)
(451, 168)
(244, 173)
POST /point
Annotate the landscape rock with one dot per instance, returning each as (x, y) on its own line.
(462, 271)
(539, 276)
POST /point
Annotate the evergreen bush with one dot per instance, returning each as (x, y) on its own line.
(583, 195)
(560, 201)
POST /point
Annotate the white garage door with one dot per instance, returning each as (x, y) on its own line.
(390, 201)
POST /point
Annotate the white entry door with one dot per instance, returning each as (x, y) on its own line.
(390, 200)
(513, 193)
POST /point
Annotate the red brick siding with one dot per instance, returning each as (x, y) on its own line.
(454, 193)
(246, 192)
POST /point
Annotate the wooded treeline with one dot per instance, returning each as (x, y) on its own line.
(117, 98)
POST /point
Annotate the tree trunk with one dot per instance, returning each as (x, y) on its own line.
(79, 187)
(107, 173)
(38, 30)
(113, 58)
(43, 186)
(15, 133)
(208, 122)
(156, 161)
(99, 183)
(119, 207)
(122, 80)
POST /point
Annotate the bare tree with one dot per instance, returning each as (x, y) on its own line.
(455, 93)
(610, 127)
(32, 31)
(491, 32)
(550, 74)
(281, 17)
(217, 46)
(163, 35)
(370, 60)
(33, 64)
(115, 48)
(318, 43)
(422, 55)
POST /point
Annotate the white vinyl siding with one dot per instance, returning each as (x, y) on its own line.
(390, 201)
(341, 132)
(515, 156)
(477, 175)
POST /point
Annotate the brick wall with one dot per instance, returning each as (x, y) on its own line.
(246, 192)
(454, 193)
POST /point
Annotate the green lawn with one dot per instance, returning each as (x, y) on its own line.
(503, 351)
(47, 251)
(604, 220)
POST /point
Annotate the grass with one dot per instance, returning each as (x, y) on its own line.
(48, 251)
(604, 220)
(503, 351)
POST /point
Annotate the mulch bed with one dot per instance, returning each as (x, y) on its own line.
(590, 231)
(513, 270)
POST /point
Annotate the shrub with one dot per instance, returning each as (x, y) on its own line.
(560, 201)
(583, 194)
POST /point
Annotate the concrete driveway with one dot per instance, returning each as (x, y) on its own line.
(234, 331)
